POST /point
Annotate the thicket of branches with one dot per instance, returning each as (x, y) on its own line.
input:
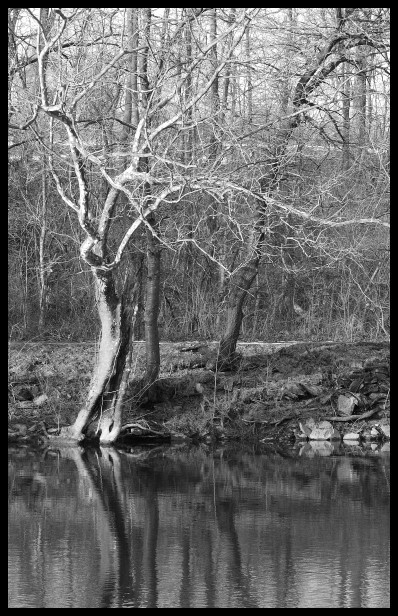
(263, 138)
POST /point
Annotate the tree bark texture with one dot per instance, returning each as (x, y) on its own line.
(152, 308)
(102, 403)
(237, 297)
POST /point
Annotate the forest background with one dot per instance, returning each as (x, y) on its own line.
(197, 173)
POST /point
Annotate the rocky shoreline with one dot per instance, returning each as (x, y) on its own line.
(334, 393)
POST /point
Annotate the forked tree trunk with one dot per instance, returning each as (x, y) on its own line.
(268, 183)
(103, 405)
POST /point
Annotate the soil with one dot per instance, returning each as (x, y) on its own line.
(270, 393)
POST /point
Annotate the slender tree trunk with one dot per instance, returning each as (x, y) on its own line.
(42, 264)
(237, 297)
(249, 85)
(359, 99)
(152, 308)
(214, 94)
(152, 300)
(346, 95)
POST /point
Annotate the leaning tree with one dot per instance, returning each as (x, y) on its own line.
(112, 94)
(300, 89)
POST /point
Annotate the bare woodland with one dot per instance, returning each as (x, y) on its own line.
(196, 174)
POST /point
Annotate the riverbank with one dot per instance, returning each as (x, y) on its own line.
(304, 392)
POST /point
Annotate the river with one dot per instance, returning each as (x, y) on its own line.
(190, 527)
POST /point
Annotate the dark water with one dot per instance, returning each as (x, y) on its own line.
(188, 528)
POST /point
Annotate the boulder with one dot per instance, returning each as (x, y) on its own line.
(351, 436)
(20, 428)
(385, 429)
(40, 400)
(324, 431)
(346, 404)
(307, 427)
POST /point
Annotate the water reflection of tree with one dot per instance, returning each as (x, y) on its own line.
(239, 580)
(132, 574)
(201, 508)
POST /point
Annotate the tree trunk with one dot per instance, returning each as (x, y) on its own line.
(42, 264)
(249, 84)
(152, 308)
(268, 184)
(103, 405)
(359, 99)
(346, 96)
(153, 249)
(237, 297)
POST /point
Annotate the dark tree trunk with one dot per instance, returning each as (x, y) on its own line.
(346, 102)
(237, 297)
(268, 184)
(152, 308)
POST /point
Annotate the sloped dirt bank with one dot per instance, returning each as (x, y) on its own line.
(273, 392)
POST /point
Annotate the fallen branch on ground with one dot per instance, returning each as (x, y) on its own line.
(143, 428)
(352, 417)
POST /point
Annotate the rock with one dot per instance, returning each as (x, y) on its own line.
(324, 431)
(293, 391)
(177, 437)
(346, 404)
(351, 436)
(312, 390)
(40, 400)
(375, 397)
(20, 428)
(304, 432)
(47, 372)
(307, 427)
(385, 428)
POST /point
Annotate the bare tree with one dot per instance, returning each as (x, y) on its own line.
(65, 91)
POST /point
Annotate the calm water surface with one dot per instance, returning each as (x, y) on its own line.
(184, 527)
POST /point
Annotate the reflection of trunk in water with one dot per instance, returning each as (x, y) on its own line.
(226, 525)
(210, 573)
(102, 469)
(185, 589)
(282, 563)
(150, 544)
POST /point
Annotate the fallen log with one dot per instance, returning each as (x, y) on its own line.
(352, 417)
